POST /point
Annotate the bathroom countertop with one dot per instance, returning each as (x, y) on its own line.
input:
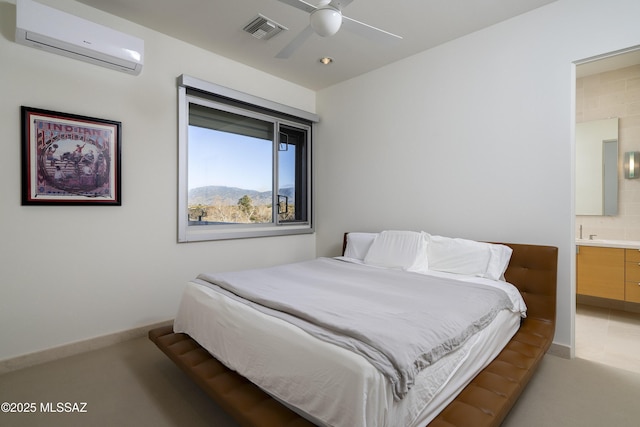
(630, 244)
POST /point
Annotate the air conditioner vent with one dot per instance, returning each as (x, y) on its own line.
(263, 28)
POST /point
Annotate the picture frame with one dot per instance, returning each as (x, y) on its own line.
(69, 159)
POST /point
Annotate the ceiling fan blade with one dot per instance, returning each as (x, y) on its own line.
(368, 31)
(340, 4)
(300, 4)
(294, 44)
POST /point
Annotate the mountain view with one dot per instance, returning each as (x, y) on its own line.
(216, 194)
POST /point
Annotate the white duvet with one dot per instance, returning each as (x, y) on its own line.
(325, 383)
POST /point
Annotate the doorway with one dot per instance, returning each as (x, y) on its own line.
(608, 331)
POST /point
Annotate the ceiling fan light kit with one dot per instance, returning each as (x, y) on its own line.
(326, 21)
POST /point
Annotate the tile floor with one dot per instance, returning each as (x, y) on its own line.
(608, 336)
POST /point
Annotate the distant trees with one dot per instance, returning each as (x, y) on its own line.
(243, 212)
(246, 205)
(197, 212)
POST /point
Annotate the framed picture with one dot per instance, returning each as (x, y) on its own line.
(69, 159)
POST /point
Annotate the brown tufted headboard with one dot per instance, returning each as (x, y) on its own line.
(534, 270)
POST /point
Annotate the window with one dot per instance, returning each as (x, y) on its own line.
(244, 167)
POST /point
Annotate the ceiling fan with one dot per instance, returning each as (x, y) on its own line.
(326, 19)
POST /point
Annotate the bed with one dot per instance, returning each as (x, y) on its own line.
(471, 388)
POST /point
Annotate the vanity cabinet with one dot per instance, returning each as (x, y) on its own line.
(601, 272)
(632, 275)
(612, 273)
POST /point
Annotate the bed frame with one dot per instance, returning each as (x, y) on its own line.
(484, 402)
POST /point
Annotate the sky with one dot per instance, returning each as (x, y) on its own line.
(221, 158)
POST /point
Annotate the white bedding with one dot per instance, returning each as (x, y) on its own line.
(325, 383)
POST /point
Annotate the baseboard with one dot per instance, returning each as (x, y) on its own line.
(560, 350)
(608, 303)
(50, 354)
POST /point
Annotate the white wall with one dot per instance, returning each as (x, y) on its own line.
(473, 138)
(73, 273)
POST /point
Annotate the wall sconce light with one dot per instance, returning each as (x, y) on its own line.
(632, 164)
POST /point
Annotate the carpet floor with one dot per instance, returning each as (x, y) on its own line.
(134, 384)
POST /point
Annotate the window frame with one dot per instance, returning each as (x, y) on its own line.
(209, 94)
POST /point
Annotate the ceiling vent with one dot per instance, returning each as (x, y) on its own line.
(263, 28)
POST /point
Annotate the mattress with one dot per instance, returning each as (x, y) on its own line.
(325, 383)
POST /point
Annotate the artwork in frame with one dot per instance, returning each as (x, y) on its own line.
(68, 159)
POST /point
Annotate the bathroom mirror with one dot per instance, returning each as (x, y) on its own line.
(597, 167)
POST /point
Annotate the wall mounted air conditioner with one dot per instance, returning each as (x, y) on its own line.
(55, 31)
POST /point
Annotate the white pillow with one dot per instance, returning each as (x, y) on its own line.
(406, 250)
(459, 256)
(500, 257)
(358, 245)
(462, 256)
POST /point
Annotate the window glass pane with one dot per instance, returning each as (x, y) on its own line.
(230, 174)
(292, 202)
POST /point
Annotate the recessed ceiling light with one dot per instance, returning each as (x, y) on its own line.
(326, 60)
